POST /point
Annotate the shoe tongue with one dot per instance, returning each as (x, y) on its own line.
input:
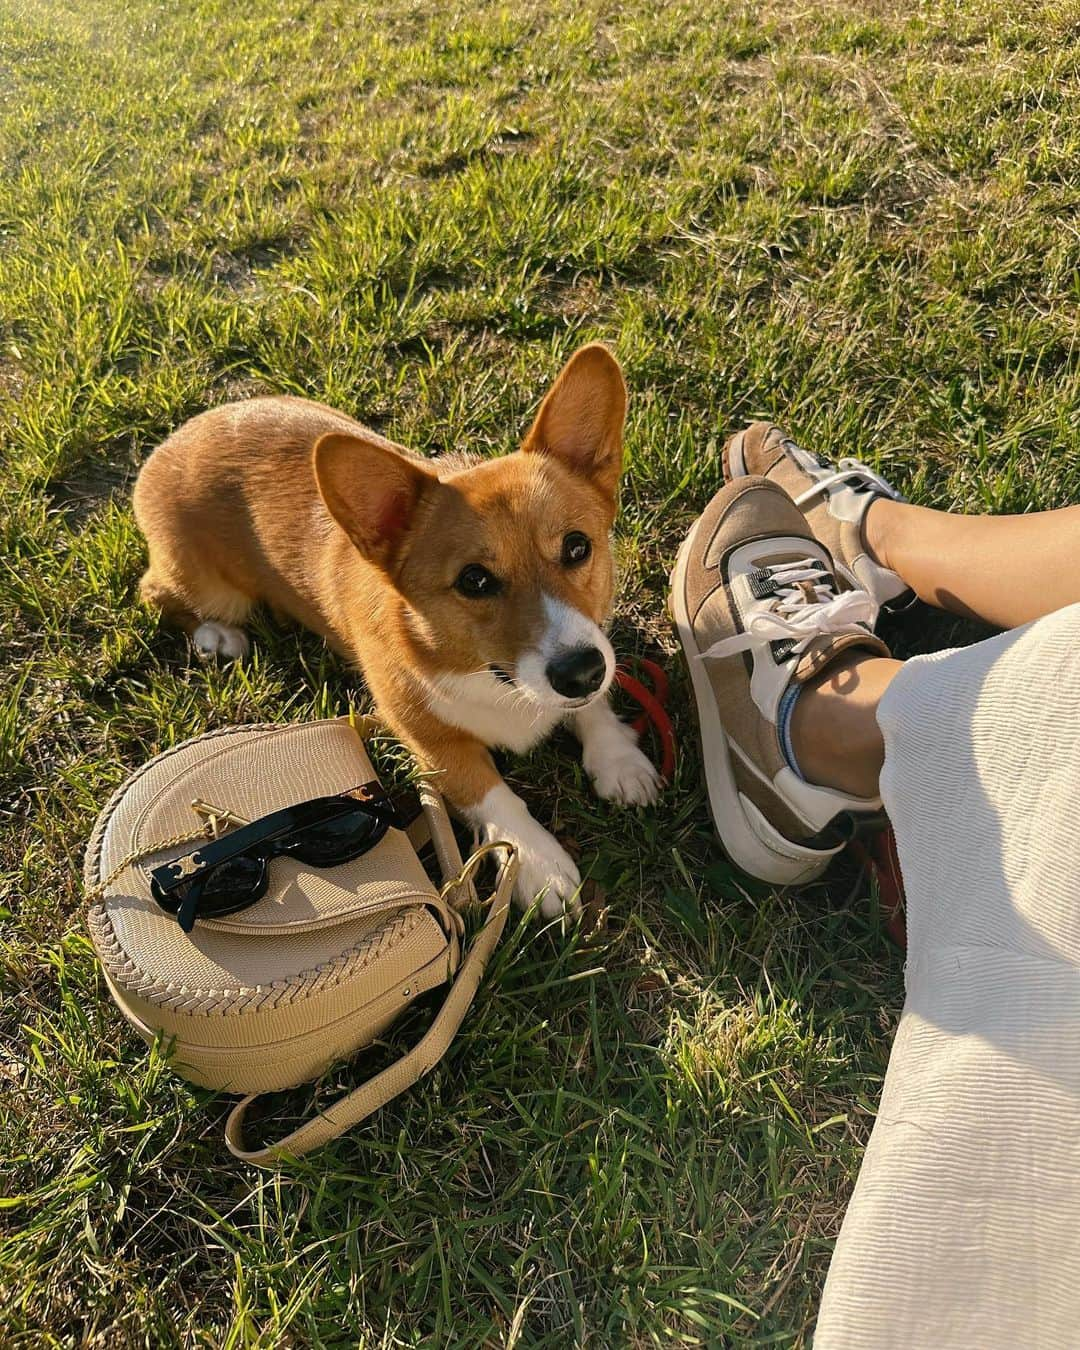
(806, 588)
(823, 653)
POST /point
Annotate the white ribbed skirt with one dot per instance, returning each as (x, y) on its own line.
(964, 1227)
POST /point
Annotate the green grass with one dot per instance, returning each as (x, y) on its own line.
(859, 219)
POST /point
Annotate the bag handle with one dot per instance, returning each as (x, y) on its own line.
(357, 1105)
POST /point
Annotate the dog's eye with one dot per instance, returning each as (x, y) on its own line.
(477, 582)
(576, 548)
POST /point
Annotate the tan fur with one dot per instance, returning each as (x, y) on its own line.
(286, 502)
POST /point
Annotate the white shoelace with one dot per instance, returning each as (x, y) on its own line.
(846, 469)
(792, 616)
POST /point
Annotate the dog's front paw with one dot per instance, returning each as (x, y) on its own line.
(549, 873)
(619, 770)
(545, 869)
(224, 640)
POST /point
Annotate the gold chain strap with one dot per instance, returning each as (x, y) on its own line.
(96, 893)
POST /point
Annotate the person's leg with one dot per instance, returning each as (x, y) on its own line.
(1005, 570)
(962, 1229)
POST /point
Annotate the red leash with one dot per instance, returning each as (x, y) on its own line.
(652, 703)
(879, 854)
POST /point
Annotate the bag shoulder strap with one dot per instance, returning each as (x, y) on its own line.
(357, 1105)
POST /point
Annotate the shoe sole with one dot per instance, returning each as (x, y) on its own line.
(733, 462)
(746, 849)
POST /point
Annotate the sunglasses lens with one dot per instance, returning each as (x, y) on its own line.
(336, 840)
(231, 882)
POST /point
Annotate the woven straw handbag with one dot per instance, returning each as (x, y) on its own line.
(268, 997)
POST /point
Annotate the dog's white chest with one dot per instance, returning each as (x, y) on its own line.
(495, 713)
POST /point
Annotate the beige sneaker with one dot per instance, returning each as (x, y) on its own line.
(756, 608)
(834, 501)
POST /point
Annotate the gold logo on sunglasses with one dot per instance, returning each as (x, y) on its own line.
(186, 867)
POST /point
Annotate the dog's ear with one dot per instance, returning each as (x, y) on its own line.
(581, 420)
(372, 488)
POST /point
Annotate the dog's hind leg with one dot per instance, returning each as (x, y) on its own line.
(203, 604)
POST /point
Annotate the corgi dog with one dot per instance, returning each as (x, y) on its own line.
(471, 592)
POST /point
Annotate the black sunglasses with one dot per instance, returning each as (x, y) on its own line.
(231, 873)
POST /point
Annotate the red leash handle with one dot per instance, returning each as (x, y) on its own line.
(651, 702)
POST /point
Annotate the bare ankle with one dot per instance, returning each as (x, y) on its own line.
(878, 529)
(834, 730)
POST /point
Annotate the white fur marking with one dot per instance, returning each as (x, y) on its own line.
(565, 628)
(220, 639)
(545, 866)
(619, 770)
(494, 712)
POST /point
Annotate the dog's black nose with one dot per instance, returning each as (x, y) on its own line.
(578, 672)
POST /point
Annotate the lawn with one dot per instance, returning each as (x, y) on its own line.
(859, 219)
